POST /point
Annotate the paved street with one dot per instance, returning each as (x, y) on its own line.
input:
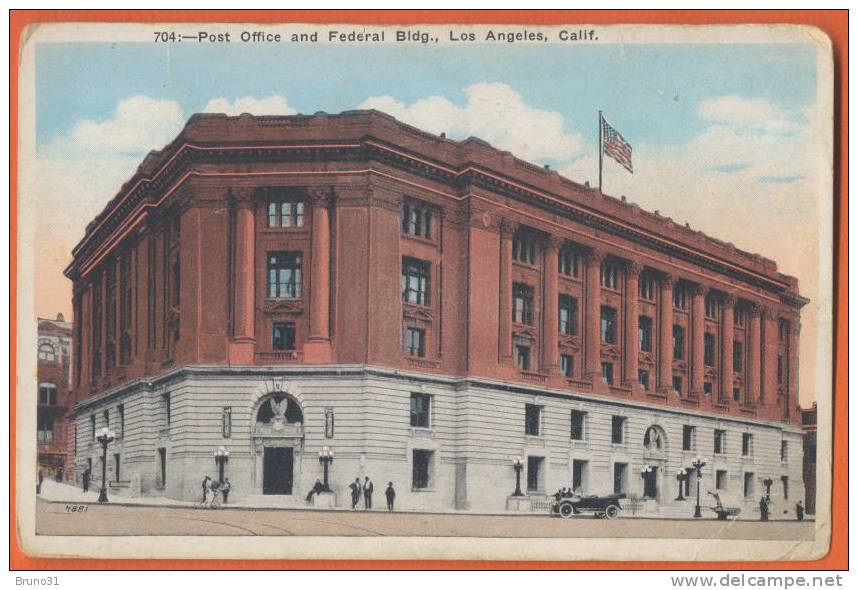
(53, 518)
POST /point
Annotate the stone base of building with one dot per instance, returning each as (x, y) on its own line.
(452, 457)
(324, 500)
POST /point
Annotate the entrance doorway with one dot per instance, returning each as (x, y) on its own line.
(651, 483)
(277, 471)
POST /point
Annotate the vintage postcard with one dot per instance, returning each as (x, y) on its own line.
(509, 292)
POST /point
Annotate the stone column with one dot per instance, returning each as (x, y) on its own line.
(769, 391)
(791, 396)
(665, 335)
(752, 389)
(550, 358)
(507, 229)
(725, 389)
(318, 346)
(698, 319)
(243, 344)
(630, 353)
(592, 318)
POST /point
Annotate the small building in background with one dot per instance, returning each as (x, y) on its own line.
(54, 398)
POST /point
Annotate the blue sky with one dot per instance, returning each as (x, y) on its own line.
(650, 91)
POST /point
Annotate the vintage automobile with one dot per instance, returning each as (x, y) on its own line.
(600, 506)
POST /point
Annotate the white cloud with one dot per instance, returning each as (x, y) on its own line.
(494, 112)
(754, 113)
(270, 105)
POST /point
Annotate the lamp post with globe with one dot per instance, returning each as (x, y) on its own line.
(518, 465)
(221, 457)
(326, 457)
(698, 464)
(105, 437)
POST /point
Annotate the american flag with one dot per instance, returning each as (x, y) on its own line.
(615, 146)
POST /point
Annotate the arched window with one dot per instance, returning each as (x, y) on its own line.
(47, 352)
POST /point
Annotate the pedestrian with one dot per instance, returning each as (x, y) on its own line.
(225, 488)
(355, 488)
(799, 511)
(318, 487)
(367, 493)
(39, 485)
(206, 487)
(86, 476)
(390, 493)
(764, 509)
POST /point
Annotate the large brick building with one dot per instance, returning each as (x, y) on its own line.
(54, 398)
(428, 309)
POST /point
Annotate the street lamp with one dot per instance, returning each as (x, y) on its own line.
(698, 465)
(221, 456)
(768, 483)
(105, 437)
(326, 457)
(680, 478)
(518, 466)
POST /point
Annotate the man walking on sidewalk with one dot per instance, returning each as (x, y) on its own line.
(390, 493)
(367, 493)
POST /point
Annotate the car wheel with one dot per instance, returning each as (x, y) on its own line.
(566, 510)
(612, 512)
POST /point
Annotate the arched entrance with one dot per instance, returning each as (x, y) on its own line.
(278, 439)
(655, 462)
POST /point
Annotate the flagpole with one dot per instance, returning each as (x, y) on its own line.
(600, 151)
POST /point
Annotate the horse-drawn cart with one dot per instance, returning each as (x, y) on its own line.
(600, 506)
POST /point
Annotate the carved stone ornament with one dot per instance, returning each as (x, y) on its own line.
(321, 196)
(288, 307)
(417, 314)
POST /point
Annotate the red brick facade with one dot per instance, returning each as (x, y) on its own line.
(250, 232)
(54, 398)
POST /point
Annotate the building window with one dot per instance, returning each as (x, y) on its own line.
(116, 465)
(45, 429)
(522, 304)
(780, 369)
(784, 451)
(421, 405)
(569, 261)
(47, 394)
(737, 356)
(226, 423)
(284, 275)
(720, 442)
(534, 473)
(687, 438)
(283, 336)
(618, 425)
(737, 394)
(783, 330)
(748, 485)
(608, 274)
(92, 426)
(120, 410)
(721, 479)
(680, 300)
(645, 333)
(416, 220)
(285, 213)
(707, 388)
(608, 373)
(711, 307)
(608, 325)
(785, 485)
(421, 469)
(747, 444)
(709, 349)
(532, 416)
(643, 379)
(677, 384)
(415, 342)
(522, 357)
(739, 317)
(568, 315)
(47, 352)
(577, 425)
(524, 249)
(106, 414)
(646, 287)
(415, 281)
(678, 342)
(579, 475)
(621, 477)
(566, 363)
(168, 408)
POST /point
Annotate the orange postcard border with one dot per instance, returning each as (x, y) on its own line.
(833, 22)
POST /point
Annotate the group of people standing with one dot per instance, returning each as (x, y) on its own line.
(215, 493)
(359, 489)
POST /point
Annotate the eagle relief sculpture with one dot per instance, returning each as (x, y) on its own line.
(278, 408)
